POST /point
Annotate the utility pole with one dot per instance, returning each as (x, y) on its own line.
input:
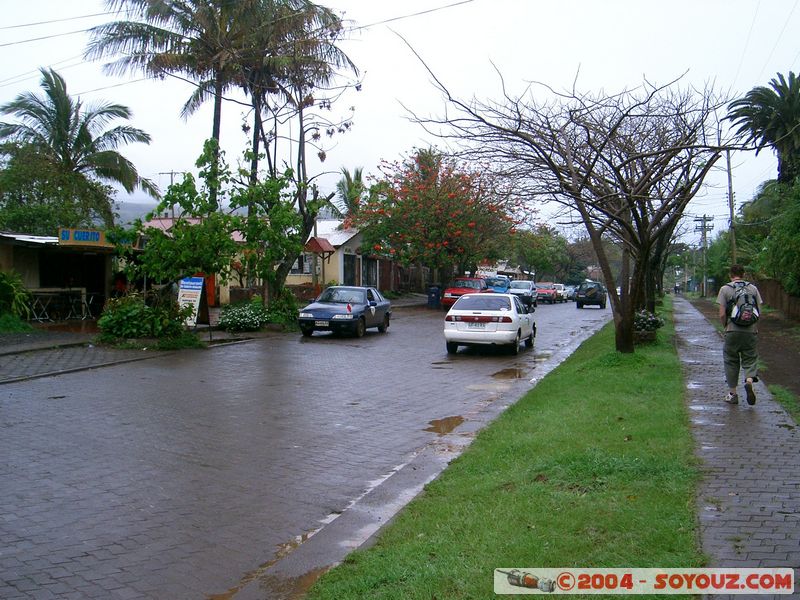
(703, 227)
(171, 181)
(730, 206)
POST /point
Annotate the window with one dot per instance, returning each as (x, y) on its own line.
(482, 302)
(302, 265)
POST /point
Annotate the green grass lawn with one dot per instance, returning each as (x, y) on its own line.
(592, 468)
(787, 399)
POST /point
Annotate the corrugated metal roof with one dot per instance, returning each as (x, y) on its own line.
(329, 229)
(29, 239)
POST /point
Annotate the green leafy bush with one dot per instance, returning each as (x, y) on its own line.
(14, 298)
(646, 321)
(13, 324)
(131, 317)
(243, 316)
(283, 309)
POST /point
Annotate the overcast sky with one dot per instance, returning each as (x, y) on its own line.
(612, 44)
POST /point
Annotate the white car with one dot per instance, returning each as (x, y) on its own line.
(561, 292)
(526, 290)
(489, 319)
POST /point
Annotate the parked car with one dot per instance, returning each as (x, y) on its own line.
(546, 292)
(346, 309)
(461, 286)
(571, 290)
(499, 283)
(591, 293)
(489, 319)
(525, 291)
(561, 292)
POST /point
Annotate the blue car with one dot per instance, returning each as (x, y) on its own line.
(346, 309)
(499, 284)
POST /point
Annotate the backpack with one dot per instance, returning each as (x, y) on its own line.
(743, 307)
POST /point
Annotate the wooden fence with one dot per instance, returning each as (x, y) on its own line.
(774, 295)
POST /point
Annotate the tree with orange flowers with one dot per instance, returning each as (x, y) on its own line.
(430, 210)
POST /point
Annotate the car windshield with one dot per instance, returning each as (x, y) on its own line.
(590, 287)
(497, 281)
(521, 285)
(468, 283)
(343, 296)
(546, 286)
(482, 302)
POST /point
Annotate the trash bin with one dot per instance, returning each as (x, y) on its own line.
(434, 300)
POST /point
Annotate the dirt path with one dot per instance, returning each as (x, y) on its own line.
(778, 345)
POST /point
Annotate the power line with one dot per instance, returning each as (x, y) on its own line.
(55, 21)
(746, 43)
(15, 79)
(416, 14)
(115, 85)
(780, 35)
(44, 37)
(32, 74)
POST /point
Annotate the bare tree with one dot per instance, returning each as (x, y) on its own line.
(628, 164)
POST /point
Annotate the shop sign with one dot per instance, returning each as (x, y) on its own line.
(82, 237)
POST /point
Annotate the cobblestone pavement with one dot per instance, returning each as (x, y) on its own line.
(749, 497)
(51, 361)
(189, 475)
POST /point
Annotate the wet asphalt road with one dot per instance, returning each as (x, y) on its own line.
(190, 475)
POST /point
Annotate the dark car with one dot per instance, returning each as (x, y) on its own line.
(591, 292)
(346, 309)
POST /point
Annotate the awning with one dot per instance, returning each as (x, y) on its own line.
(319, 245)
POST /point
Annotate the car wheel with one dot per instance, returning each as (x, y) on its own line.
(603, 305)
(529, 340)
(361, 328)
(385, 325)
(515, 345)
(306, 331)
(579, 305)
(452, 347)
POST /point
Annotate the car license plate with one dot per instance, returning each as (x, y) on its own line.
(321, 323)
(476, 325)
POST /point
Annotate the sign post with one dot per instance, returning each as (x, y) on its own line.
(189, 294)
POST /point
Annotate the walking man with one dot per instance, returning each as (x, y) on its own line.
(739, 306)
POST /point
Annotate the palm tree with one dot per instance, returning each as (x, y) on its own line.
(190, 38)
(289, 51)
(185, 37)
(350, 189)
(770, 116)
(73, 136)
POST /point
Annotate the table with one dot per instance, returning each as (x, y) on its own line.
(50, 304)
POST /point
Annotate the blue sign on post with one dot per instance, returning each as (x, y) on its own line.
(189, 293)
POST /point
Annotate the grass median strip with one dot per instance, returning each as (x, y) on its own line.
(592, 468)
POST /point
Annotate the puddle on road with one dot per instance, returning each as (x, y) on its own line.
(510, 373)
(284, 549)
(701, 407)
(701, 421)
(542, 356)
(494, 388)
(695, 385)
(444, 426)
